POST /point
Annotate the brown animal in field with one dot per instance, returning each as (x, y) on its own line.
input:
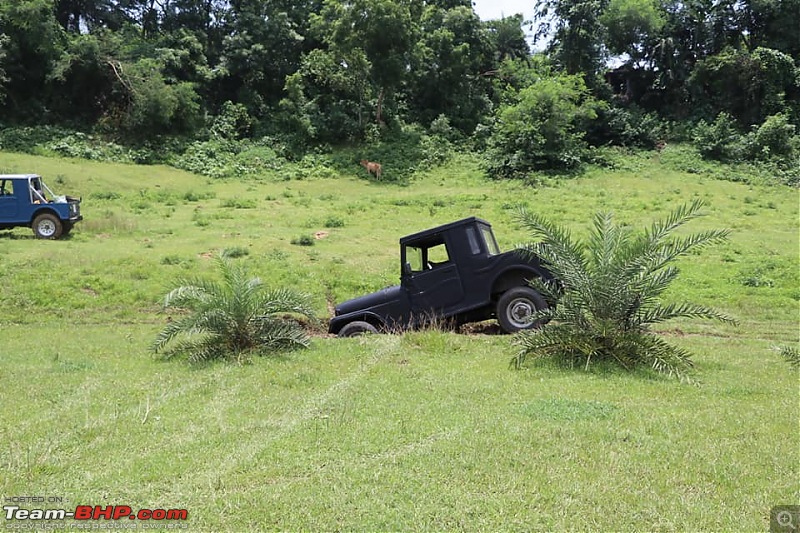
(372, 168)
(660, 145)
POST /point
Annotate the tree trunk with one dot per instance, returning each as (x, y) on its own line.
(379, 109)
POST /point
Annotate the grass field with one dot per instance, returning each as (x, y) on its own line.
(423, 431)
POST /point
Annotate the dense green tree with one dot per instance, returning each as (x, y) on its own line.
(385, 31)
(508, 38)
(544, 128)
(89, 15)
(748, 86)
(575, 32)
(262, 47)
(453, 60)
(326, 71)
(330, 99)
(130, 90)
(34, 42)
(3, 77)
(771, 24)
(629, 24)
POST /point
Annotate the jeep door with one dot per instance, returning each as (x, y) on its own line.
(431, 277)
(9, 204)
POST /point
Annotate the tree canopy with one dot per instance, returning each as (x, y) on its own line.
(333, 71)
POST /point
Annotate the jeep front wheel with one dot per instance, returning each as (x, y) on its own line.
(515, 308)
(356, 328)
(47, 226)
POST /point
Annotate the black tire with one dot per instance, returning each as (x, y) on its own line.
(356, 328)
(515, 305)
(47, 226)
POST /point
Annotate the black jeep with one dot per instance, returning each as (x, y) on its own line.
(453, 273)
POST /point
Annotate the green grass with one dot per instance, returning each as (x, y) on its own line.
(425, 431)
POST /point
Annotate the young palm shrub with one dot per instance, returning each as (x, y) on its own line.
(232, 319)
(791, 354)
(608, 293)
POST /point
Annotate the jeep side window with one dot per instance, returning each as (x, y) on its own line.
(474, 245)
(427, 256)
(414, 258)
(438, 256)
(6, 188)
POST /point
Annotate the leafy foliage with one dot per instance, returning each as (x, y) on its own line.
(629, 23)
(232, 319)
(748, 86)
(774, 142)
(720, 139)
(576, 31)
(791, 354)
(186, 81)
(608, 294)
(628, 126)
(543, 129)
(3, 54)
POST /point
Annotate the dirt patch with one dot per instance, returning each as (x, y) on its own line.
(481, 328)
(321, 235)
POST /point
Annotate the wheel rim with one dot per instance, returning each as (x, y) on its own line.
(519, 311)
(46, 228)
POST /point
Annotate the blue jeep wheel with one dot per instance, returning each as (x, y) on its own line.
(47, 226)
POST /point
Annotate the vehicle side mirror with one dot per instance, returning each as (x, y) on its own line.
(407, 269)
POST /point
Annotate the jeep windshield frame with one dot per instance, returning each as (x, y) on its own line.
(488, 239)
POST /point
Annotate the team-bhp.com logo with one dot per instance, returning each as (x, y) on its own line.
(94, 512)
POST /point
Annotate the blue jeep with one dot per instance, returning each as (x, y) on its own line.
(25, 201)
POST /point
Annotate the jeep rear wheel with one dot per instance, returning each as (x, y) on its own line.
(47, 226)
(356, 328)
(515, 308)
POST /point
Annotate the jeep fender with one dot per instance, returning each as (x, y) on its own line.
(43, 210)
(338, 322)
(514, 276)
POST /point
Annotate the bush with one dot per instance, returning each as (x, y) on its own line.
(543, 130)
(334, 222)
(608, 293)
(775, 138)
(303, 240)
(222, 158)
(231, 319)
(720, 140)
(238, 203)
(234, 252)
(629, 126)
(773, 144)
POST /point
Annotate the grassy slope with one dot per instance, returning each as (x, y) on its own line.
(423, 431)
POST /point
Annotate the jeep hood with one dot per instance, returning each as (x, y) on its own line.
(369, 301)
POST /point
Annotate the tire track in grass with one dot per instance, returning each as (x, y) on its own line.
(17, 458)
(279, 485)
(250, 448)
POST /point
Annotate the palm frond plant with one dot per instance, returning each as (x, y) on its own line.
(608, 292)
(791, 354)
(232, 319)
